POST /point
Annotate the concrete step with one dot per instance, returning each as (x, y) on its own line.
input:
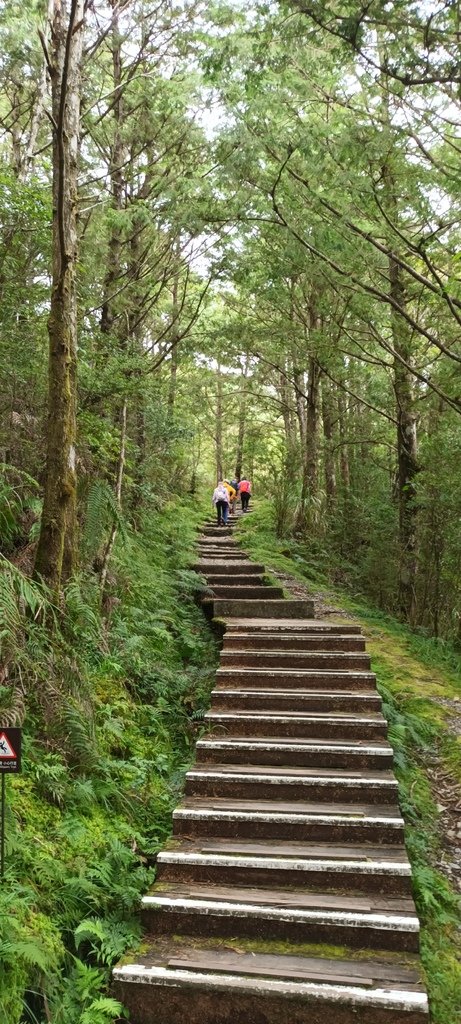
(295, 699)
(294, 916)
(210, 985)
(241, 782)
(295, 820)
(225, 607)
(293, 642)
(335, 725)
(387, 877)
(286, 679)
(341, 660)
(233, 591)
(306, 753)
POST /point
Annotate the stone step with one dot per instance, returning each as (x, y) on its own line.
(336, 725)
(294, 916)
(266, 819)
(341, 660)
(224, 607)
(209, 985)
(293, 642)
(285, 679)
(233, 781)
(296, 699)
(234, 591)
(386, 877)
(304, 753)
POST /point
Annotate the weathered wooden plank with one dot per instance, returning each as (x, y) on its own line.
(264, 970)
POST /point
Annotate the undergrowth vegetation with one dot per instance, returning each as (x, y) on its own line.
(413, 671)
(113, 697)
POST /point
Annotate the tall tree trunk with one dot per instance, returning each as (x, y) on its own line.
(309, 486)
(118, 497)
(343, 452)
(219, 424)
(328, 433)
(407, 442)
(242, 410)
(407, 451)
(57, 546)
(174, 359)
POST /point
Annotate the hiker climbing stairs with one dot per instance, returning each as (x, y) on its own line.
(284, 896)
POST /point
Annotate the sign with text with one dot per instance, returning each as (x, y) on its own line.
(10, 750)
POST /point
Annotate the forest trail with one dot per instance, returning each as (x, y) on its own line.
(285, 893)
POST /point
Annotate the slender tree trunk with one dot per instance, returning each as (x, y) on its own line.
(343, 452)
(174, 359)
(309, 454)
(328, 433)
(118, 497)
(407, 443)
(407, 451)
(219, 424)
(57, 546)
(242, 411)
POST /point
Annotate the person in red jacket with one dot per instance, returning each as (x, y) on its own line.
(245, 493)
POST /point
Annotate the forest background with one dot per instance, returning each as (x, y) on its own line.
(229, 243)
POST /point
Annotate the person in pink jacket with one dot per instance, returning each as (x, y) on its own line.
(245, 493)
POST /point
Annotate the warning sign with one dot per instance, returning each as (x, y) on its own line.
(10, 750)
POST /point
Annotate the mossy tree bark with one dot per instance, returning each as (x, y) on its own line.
(57, 547)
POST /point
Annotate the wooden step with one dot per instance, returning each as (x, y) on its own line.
(295, 659)
(224, 607)
(233, 781)
(386, 877)
(233, 591)
(290, 626)
(336, 725)
(293, 642)
(229, 567)
(214, 985)
(308, 753)
(295, 699)
(242, 578)
(265, 678)
(246, 819)
(373, 921)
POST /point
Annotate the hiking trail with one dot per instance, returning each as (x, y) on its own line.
(284, 895)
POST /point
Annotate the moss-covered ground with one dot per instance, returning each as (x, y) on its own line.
(114, 703)
(420, 682)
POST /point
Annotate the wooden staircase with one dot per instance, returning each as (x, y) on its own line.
(284, 896)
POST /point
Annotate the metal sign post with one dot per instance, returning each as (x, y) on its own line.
(10, 764)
